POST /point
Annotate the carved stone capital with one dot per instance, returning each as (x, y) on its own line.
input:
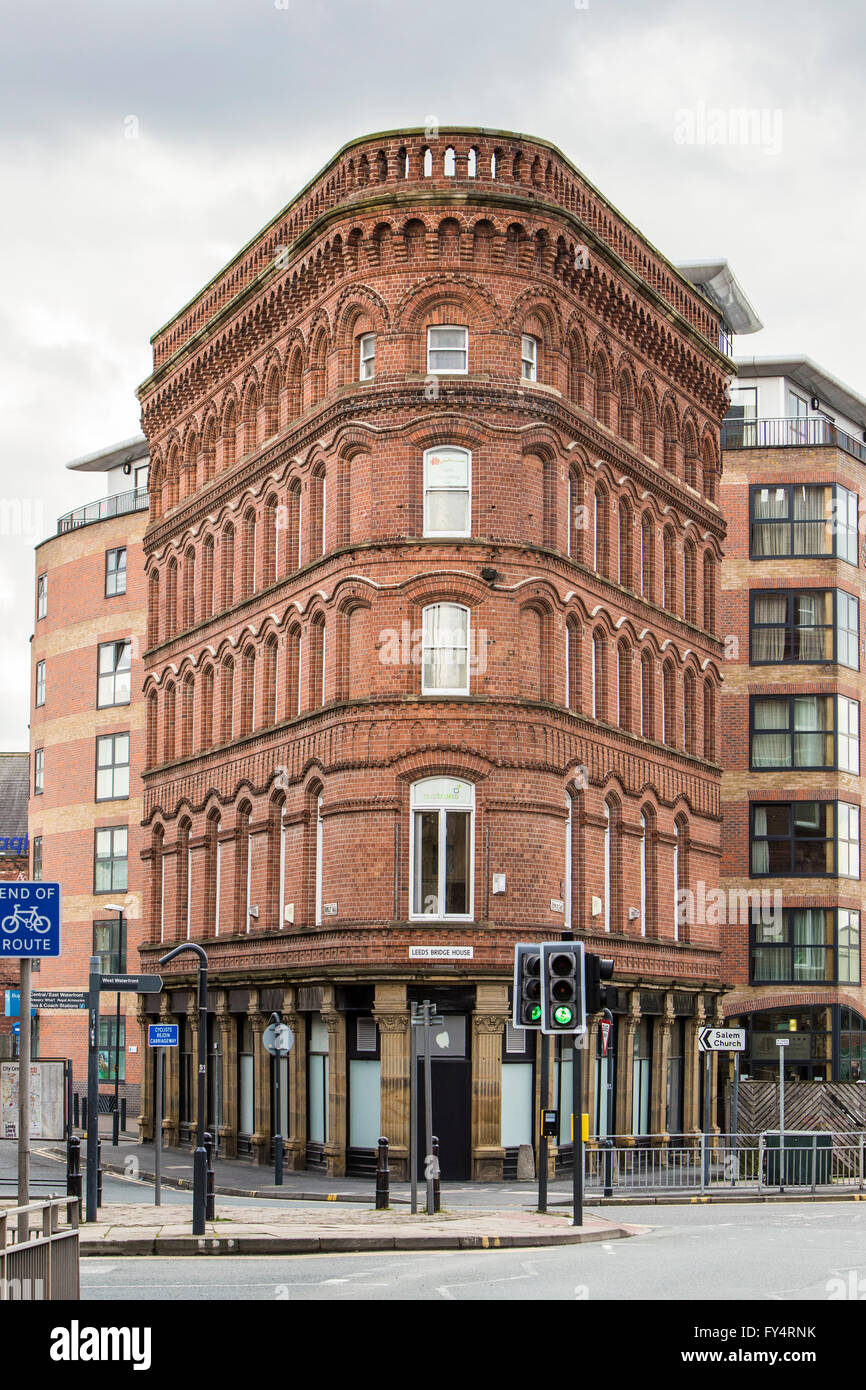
(331, 1021)
(489, 1023)
(392, 1023)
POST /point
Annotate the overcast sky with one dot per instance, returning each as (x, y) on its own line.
(234, 104)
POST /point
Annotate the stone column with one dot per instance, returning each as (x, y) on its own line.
(488, 1025)
(335, 1147)
(296, 1141)
(693, 1070)
(661, 1056)
(261, 1138)
(228, 1078)
(392, 1017)
(625, 1068)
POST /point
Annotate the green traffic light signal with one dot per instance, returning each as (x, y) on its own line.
(562, 1015)
(535, 1013)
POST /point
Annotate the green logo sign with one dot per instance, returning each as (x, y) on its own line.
(563, 1015)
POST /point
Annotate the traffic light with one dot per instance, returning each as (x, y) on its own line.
(598, 968)
(526, 1000)
(562, 1003)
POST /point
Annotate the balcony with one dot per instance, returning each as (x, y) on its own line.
(116, 504)
(791, 432)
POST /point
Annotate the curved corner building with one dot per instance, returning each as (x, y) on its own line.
(432, 664)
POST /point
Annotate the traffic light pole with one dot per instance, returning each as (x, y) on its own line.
(577, 1143)
(544, 1088)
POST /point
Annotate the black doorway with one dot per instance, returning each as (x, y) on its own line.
(452, 1116)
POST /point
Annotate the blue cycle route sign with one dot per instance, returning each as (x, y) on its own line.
(162, 1034)
(29, 920)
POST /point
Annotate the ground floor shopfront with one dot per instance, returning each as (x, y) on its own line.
(346, 1080)
(825, 1040)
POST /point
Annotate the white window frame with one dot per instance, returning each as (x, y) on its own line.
(467, 489)
(427, 645)
(418, 804)
(218, 884)
(40, 684)
(249, 875)
(449, 328)
(366, 358)
(528, 357)
(608, 831)
(41, 596)
(569, 822)
(643, 873)
(319, 849)
(38, 771)
(851, 710)
(282, 908)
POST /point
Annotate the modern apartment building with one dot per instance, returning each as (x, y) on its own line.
(433, 663)
(792, 618)
(14, 863)
(86, 754)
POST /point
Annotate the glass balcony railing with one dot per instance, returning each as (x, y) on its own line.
(789, 432)
(116, 504)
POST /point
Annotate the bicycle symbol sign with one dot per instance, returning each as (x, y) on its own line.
(29, 920)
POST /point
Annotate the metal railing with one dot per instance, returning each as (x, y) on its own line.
(808, 1160)
(789, 432)
(44, 1266)
(115, 504)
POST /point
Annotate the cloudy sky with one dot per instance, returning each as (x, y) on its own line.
(144, 141)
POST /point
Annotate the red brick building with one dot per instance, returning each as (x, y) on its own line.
(432, 655)
(86, 754)
(793, 603)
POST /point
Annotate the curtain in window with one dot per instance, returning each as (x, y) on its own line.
(760, 848)
(812, 638)
(813, 731)
(768, 644)
(771, 749)
(811, 536)
(445, 647)
(770, 505)
(812, 961)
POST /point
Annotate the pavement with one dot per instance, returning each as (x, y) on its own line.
(126, 1229)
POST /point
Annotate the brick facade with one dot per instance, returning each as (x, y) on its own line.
(288, 569)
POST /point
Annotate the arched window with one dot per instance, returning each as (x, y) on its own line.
(189, 588)
(709, 471)
(318, 512)
(669, 428)
(647, 424)
(169, 718)
(153, 610)
(293, 528)
(317, 661)
(227, 700)
(293, 672)
(648, 873)
(690, 454)
(250, 422)
(447, 492)
(248, 690)
(445, 667)
(272, 402)
(206, 724)
(243, 866)
(624, 569)
(295, 383)
(227, 559)
(647, 703)
(187, 716)
(710, 720)
(270, 538)
(207, 578)
(647, 558)
(608, 866)
(442, 848)
(681, 878)
(152, 729)
(183, 919)
(572, 665)
(669, 704)
(229, 434)
(690, 582)
(709, 592)
(576, 515)
(157, 901)
(690, 712)
(601, 556)
(213, 874)
(269, 682)
(669, 571)
(612, 864)
(623, 685)
(320, 858)
(599, 684)
(569, 856)
(248, 556)
(171, 599)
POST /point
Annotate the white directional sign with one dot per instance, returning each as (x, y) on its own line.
(722, 1039)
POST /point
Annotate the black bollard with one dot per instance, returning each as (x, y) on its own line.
(73, 1174)
(210, 1194)
(607, 1145)
(436, 1195)
(98, 1168)
(383, 1174)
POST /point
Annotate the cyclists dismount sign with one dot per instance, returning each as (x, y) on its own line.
(29, 920)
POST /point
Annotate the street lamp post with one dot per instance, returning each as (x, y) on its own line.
(121, 966)
(199, 1160)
